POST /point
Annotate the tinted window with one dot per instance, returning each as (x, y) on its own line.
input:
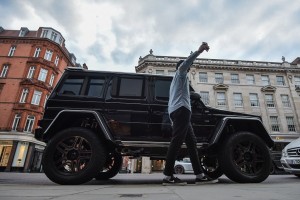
(131, 87)
(95, 87)
(72, 86)
(162, 88)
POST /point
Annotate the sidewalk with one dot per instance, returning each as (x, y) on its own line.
(19, 186)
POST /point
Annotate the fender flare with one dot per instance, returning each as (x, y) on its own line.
(255, 120)
(98, 117)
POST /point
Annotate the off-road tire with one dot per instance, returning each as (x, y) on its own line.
(245, 158)
(73, 156)
(111, 167)
(210, 166)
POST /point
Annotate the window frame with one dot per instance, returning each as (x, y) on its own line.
(203, 78)
(36, 97)
(4, 71)
(31, 71)
(16, 122)
(291, 127)
(220, 101)
(270, 101)
(250, 81)
(203, 95)
(254, 102)
(219, 78)
(43, 75)
(12, 50)
(274, 123)
(24, 95)
(280, 82)
(48, 54)
(235, 78)
(238, 103)
(29, 124)
(37, 52)
(265, 81)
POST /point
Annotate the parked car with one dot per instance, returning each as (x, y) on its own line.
(183, 166)
(290, 158)
(94, 118)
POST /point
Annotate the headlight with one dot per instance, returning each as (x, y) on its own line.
(284, 153)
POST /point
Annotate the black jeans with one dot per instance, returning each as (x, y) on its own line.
(182, 132)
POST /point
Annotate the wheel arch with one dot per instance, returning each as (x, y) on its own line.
(230, 125)
(78, 118)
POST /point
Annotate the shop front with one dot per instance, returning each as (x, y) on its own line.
(20, 152)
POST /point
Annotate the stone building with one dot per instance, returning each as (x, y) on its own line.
(31, 63)
(268, 89)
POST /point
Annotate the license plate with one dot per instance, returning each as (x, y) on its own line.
(296, 161)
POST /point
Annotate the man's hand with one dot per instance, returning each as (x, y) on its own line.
(204, 46)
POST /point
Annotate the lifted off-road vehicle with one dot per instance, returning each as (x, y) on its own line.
(94, 118)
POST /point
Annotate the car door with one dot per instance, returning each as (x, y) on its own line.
(127, 110)
(161, 129)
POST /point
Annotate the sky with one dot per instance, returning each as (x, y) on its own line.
(111, 35)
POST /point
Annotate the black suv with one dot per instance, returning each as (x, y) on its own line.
(93, 118)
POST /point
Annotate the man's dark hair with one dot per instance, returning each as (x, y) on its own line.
(179, 63)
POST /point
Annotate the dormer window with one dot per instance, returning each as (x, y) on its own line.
(53, 36)
(23, 31)
(44, 33)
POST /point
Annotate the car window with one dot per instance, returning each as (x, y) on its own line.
(95, 87)
(72, 86)
(131, 87)
(162, 88)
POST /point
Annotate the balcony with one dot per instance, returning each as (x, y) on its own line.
(36, 82)
(29, 107)
(44, 62)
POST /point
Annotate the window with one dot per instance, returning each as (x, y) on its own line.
(202, 77)
(45, 33)
(56, 60)
(29, 124)
(72, 86)
(204, 97)
(31, 72)
(12, 50)
(285, 100)
(254, 100)
(4, 71)
(235, 78)
(95, 87)
(16, 122)
(291, 124)
(161, 72)
(265, 80)
(274, 124)
(297, 82)
(131, 87)
(43, 75)
(46, 98)
(221, 99)
(171, 73)
(238, 99)
(270, 101)
(51, 80)
(53, 36)
(219, 78)
(162, 88)
(36, 98)
(280, 80)
(60, 40)
(250, 79)
(48, 55)
(24, 95)
(37, 52)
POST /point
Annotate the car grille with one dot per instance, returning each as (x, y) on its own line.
(294, 152)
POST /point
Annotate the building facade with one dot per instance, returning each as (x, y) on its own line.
(268, 89)
(31, 63)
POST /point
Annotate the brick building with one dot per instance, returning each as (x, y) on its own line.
(31, 63)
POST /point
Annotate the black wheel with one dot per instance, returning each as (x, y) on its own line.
(111, 167)
(178, 169)
(210, 166)
(298, 175)
(73, 156)
(245, 158)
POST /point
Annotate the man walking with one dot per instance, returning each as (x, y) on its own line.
(179, 109)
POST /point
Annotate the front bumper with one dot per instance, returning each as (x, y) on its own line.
(291, 164)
